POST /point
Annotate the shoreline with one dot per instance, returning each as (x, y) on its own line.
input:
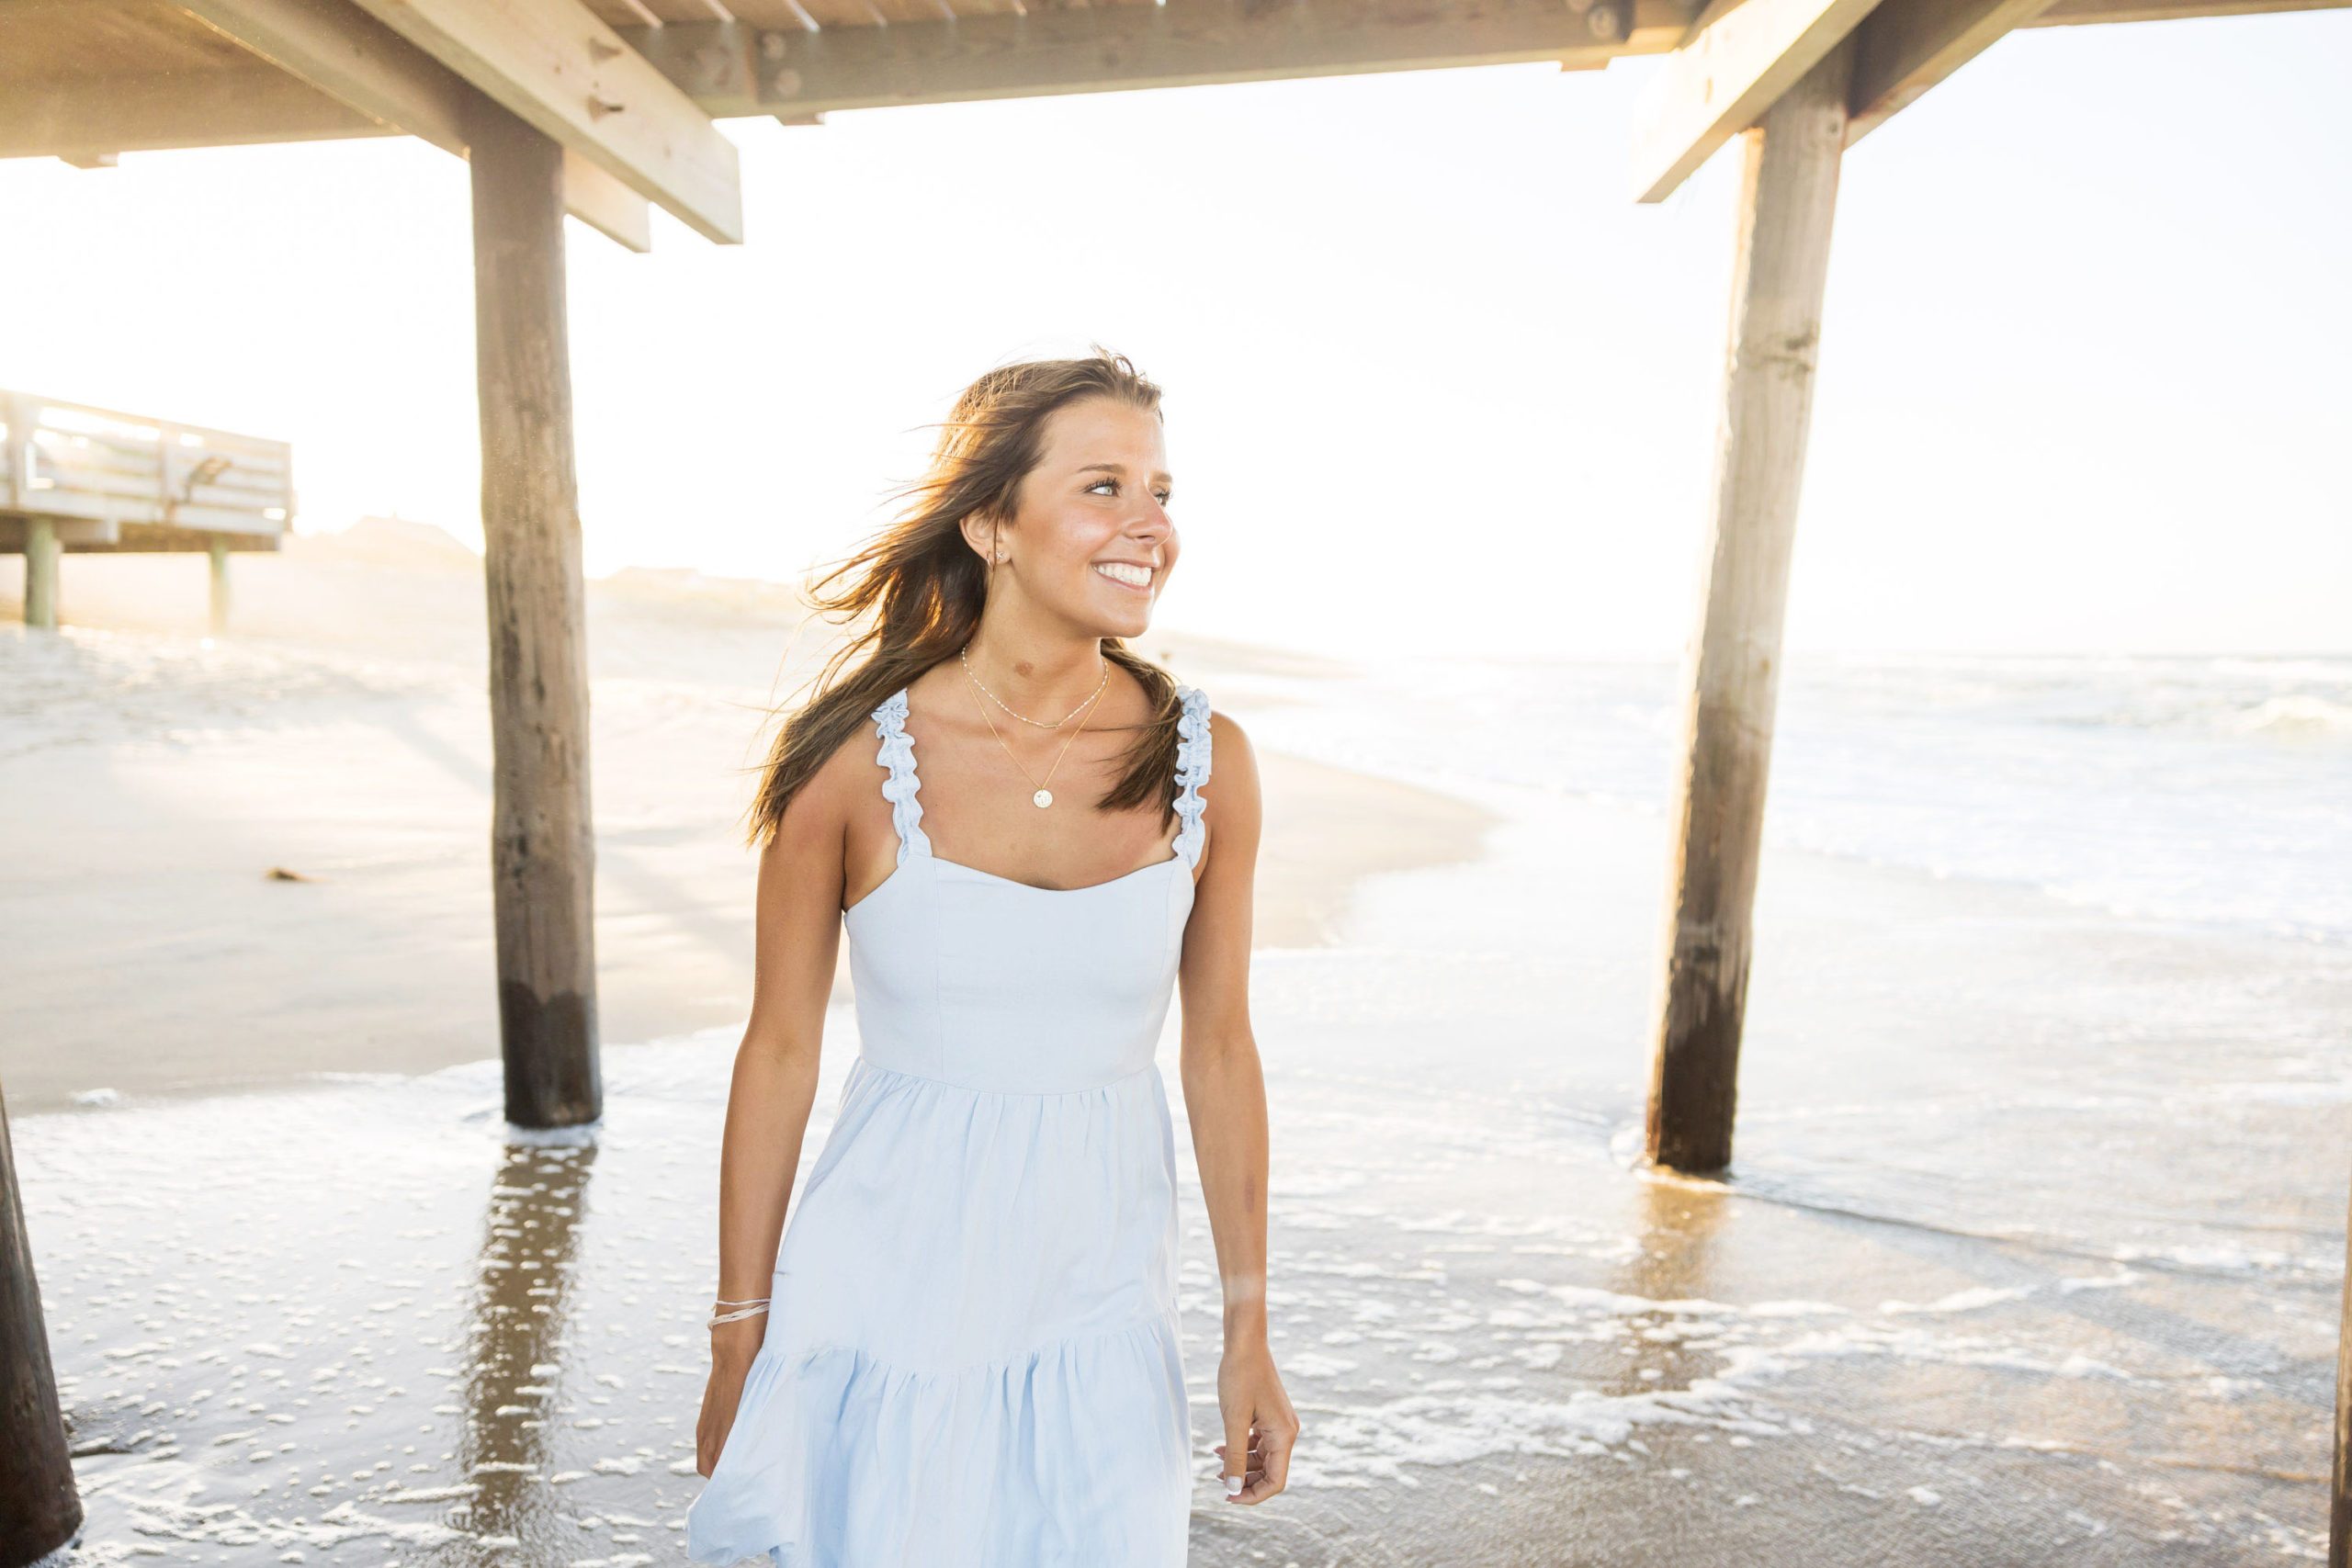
(385, 969)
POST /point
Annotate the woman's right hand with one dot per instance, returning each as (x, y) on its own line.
(733, 1350)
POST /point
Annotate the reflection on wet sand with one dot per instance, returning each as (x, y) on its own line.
(516, 1341)
(1675, 1227)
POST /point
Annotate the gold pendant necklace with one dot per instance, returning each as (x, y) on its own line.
(1044, 797)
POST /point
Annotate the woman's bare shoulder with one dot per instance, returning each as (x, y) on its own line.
(849, 774)
(1233, 763)
(1226, 736)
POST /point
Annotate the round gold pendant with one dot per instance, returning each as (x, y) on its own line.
(1043, 797)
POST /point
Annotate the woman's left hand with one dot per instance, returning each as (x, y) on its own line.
(1259, 1422)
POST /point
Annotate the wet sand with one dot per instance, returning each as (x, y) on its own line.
(2031, 1256)
(2008, 1273)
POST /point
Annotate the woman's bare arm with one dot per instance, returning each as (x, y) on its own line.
(1225, 1098)
(775, 1086)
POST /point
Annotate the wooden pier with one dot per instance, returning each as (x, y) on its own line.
(598, 107)
(82, 481)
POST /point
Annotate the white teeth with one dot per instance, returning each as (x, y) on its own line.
(1120, 571)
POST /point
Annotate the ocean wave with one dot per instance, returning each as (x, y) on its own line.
(2300, 714)
(2175, 788)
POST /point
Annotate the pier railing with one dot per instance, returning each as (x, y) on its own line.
(113, 481)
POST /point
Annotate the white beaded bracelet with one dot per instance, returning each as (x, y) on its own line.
(751, 1307)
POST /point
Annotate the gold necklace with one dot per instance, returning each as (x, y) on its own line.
(960, 656)
(1044, 797)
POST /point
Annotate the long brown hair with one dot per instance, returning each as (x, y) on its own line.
(919, 588)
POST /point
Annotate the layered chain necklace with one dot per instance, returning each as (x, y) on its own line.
(962, 657)
(1042, 797)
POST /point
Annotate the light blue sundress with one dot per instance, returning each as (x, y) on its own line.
(972, 1359)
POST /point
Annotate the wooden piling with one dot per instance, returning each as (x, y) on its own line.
(543, 848)
(2339, 1508)
(1788, 197)
(218, 547)
(40, 573)
(39, 1509)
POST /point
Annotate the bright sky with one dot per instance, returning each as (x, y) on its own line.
(1431, 374)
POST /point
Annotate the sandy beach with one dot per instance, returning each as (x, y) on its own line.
(2030, 1254)
(342, 736)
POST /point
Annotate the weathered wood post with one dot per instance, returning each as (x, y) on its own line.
(218, 547)
(39, 1509)
(1789, 193)
(2339, 1510)
(40, 573)
(542, 839)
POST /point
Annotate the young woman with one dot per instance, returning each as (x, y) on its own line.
(966, 1351)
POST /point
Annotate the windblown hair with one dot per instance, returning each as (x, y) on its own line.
(917, 587)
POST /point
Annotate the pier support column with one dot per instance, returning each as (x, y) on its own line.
(39, 1509)
(2339, 1509)
(542, 836)
(1788, 196)
(40, 573)
(218, 550)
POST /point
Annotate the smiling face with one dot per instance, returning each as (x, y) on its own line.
(1091, 543)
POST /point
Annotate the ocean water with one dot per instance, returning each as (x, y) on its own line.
(2205, 789)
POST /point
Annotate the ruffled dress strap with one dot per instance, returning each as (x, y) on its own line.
(1191, 771)
(897, 754)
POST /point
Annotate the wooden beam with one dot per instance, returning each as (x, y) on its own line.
(81, 119)
(606, 205)
(357, 60)
(40, 1509)
(77, 537)
(2074, 13)
(1740, 57)
(543, 847)
(552, 64)
(1788, 198)
(728, 68)
(796, 75)
(351, 57)
(1905, 47)
(733, 70)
